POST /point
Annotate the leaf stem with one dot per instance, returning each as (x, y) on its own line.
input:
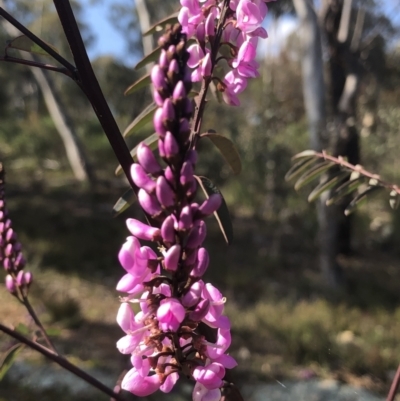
(395, 385)
(64, 363)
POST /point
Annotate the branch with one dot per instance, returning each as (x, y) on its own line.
(61, 362)
(37, 40)
(394, 387)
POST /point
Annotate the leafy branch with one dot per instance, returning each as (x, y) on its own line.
(338, 179)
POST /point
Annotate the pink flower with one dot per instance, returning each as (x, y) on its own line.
(170, 314)
(202, 393)
(223, 342)
(216, 305)
(250, 14)
(139, 385)
(210, 375)
(245, 63)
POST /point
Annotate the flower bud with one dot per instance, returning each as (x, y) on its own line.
(197, 234)
(179, 91)
(28, 277)
(158, 122)
(147, 159)
(143, 231)
(163, 61)
(149, 203)
(158, 98)
(206, 66)
(170, 314)
(10, 235)
(20, 280)
(185, 219)
(7, 264)
(202, 262)
(19, 262)
(167, 230)
(141, 179)
(161, 150)
(201, 33)
(186, 176)
(168, 110)
(210, 25)
(164, 192)
(171, 147)
(192, 297)
(210, 205)
(158, 77)
(10, 284)
(172, 257)
(169, 175)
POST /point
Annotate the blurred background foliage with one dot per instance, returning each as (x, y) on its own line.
(287, 323)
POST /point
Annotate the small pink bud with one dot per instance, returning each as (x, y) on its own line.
(169, 175)
(143, 231)
(201, 33)
(9, 250)
(173, 67)
(20, 280)
(20, 261)
(206, 66)
(149, 203)
(161, 150)
(168, 110)
(163, 61)
(171, 147)
(185, 219)
(158, 77)
(197, 234)
(170, 314)
(186, 173)
(210, 205)
(158, 122)
(147, 159)
(158, 99)
(141, 179)
(179, 91)
(164, 192)
(10, 235)
(210, 25)
(167, 230)
(28, 277)
(10, 284)
(202, 262)
(172, 257)
(7, 264)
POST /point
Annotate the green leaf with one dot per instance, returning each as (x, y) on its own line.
(305, 153)
(312, 174)
(347, 188)
(27, 45)
(139, 84)
(325, 186)
(160, 26)
(141, 120)
(298, 168)
(360, 199)
(222, 214)
(7, 359)
(124, 202)
(151, 141)
(150, 58)
(226, 148)
(21, 328)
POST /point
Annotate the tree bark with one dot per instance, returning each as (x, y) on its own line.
(145, 24)
(315, 103)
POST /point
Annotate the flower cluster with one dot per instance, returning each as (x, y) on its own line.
(163, 335)
(17, 281)
(237, 29)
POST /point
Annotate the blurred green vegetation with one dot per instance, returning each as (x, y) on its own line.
(284, 319)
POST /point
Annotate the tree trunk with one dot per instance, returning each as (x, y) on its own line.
(145, 24)
(314, 98)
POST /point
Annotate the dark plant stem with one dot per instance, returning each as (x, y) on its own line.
(89, 84)
(62, 362)
(28, 306)
(37, 40)
(395, 386)
(15, 60)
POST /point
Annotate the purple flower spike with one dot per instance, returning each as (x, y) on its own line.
(158, 78)
(197, 235)
(170, 314)
(164, 192)
(171, 147)
(149, 203)
(10, 284)
(210, 205)
(179, 91)
(168, 230)
(172, 257)
(202, 262)
(147, 159)
(141, 179)
(158, 122)
(168, 110)
(185, 219)
(143, 231)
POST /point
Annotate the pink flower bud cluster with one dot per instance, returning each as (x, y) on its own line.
(163, 335)
(10, 250)
(237, 24)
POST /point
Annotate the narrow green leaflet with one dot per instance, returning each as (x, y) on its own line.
(160, 25)
(325, 186)
(298, 168)
(312, 174)
(360, 199)
(150, 58)
(151, 141)
(123, 203)
(141, 120)
(226, 148)
(222, 214)
(345, 189)
(27, 45)
(8, 357)
(139, 84)
(305, 153)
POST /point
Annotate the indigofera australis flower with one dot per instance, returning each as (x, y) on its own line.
(162, 335)
(17, 281)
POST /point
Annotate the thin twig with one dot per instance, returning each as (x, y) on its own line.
(395, 385)
(37, 40)
(64, 363)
